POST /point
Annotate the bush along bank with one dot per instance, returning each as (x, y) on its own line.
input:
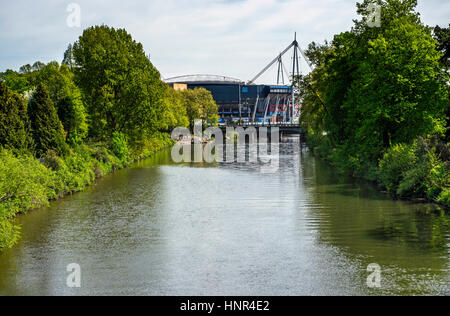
(418, 171)
(28, 183)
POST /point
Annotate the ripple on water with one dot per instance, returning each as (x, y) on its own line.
(228, 229)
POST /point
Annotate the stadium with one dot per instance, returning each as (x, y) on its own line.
(247, 102)
(243, 102)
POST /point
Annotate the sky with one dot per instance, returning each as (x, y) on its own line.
(234, 38)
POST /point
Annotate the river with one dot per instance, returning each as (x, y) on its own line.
(227, 229)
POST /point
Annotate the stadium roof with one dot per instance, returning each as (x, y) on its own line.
(203, 79)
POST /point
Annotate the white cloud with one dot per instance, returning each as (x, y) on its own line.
(229, 37)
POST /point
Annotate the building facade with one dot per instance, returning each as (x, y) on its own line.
(238, 101)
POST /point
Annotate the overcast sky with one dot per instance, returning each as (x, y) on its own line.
(235, 38)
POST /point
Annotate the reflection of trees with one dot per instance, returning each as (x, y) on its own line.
(359, 206)
(120, 214)
(367, 224)
(425, 230)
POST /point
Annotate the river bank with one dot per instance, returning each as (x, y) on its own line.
(27, 183)
(416, 173)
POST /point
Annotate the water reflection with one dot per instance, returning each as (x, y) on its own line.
(228, 229)
(410, 241)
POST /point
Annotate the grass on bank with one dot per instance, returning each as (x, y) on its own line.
(27, 183)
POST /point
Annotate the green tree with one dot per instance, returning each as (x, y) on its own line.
(26, 69)
(37, 66)
(313, 109)
(68, 57)
(14, 123)
(67, 98)
(123, 90)
(48, 132)
(200, 105)
(174, 111)
(23, 81)
(316, 53)
(193, 107)
(442, 36)
(16, 82)
(209, 108)
(379, 86)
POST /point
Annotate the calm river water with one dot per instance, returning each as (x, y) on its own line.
(166, 229)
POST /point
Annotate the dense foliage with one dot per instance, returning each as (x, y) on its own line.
(63, 126)
(415, 169)
(442, 36)
(67, 99)
(121, 86)
(47, 129)
(376, 96)
(14, 123)
(200, 105)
